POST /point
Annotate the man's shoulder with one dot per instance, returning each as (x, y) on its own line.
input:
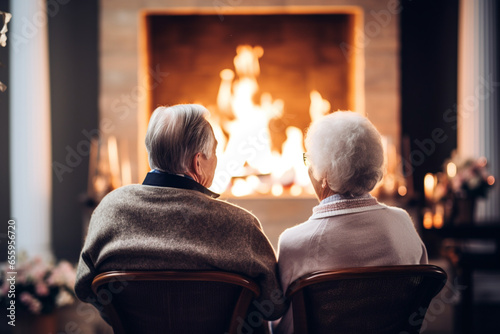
(232, 210)
(231, 207)
(122, 191)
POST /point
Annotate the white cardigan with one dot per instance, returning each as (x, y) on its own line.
(344, 233)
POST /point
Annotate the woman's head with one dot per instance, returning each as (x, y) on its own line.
(176, 135)
(345, 149)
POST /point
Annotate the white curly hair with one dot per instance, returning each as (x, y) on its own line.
(345, 148)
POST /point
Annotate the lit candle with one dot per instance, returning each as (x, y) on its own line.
(429, 185)
(428, 220)
(438, 219)
(114, 164)
(451, 169)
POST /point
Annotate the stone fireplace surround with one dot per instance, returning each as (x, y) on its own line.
(124, 89)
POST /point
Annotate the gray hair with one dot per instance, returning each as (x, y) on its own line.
(346, 149)
(176, 134)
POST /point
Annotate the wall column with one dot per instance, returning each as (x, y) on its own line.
(478, 92)
(30, 133)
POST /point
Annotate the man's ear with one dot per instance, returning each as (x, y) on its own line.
(195, 165)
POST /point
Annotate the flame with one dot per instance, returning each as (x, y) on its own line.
(428, 220)
(451, 169)
(245, 156)
(429, 186)
(438, 219)
(319, 106)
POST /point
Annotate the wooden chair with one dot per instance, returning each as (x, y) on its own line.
(174, 302)
(392, 299)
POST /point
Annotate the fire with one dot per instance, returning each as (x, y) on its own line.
(246, 159)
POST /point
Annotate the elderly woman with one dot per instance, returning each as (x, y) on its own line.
(173, 222)
(348, 228)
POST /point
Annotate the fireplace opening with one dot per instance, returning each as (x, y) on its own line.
(264, 78)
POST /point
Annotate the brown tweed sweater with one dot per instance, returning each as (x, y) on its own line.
(141, 227)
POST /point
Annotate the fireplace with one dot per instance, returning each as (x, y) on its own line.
(263, 85)
(344, 54)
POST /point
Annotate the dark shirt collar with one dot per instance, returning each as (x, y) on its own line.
(160, 179)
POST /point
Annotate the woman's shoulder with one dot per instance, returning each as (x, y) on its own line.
(393, 210)
(298, 235)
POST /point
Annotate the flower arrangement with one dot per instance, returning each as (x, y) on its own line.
(469, 178)
(4, 19)
(41, 287)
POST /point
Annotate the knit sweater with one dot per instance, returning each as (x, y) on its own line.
(344, 233)
(140, 227)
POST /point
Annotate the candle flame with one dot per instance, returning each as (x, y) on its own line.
(428, 220)
(451, 169)
(429, 185)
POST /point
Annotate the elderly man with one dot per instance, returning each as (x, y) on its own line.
(172, 221)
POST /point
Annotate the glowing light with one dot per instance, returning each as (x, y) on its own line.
(240, 188)
(402, 191)
(264, 188)
(429, 185)
(491, 180)
(438, 220)
(310, 190)
(126, 173)
(428, 220)
(277, 190)
(319, 106)
(241, 127)
(389, 183)
(296, 190)
(482, 162)
(114, 164)
(451, 169)
(227, 75)
(253, 182)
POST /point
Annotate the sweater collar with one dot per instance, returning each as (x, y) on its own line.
(337, 205)
(175, 181)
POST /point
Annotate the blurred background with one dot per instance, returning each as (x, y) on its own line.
(80, 80)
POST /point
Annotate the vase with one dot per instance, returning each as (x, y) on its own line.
(463, 211)
(36, 323)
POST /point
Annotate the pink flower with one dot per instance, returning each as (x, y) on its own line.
(44, 278)
(33, 304)
(41, 289)
(63, 274)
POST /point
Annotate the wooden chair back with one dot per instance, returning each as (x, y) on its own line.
(391, 299)
(174, 302)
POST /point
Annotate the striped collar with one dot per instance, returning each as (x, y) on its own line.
(336, 205)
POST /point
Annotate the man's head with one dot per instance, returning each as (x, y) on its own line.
(180, 140)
